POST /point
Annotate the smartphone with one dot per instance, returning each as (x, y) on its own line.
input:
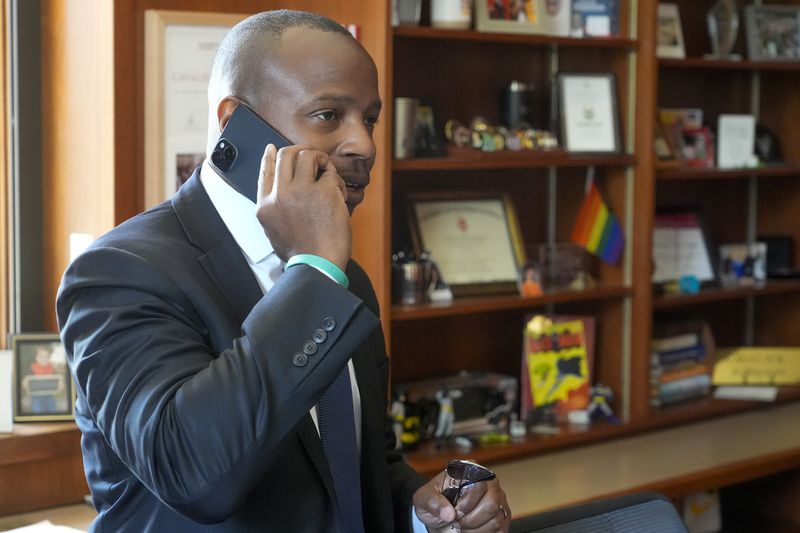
(238, 152)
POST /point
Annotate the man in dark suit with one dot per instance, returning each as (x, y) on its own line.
(204, 335)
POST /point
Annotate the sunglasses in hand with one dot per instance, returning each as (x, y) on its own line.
(459, 475)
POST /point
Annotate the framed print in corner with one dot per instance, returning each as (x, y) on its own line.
(42, 384)
(179, 49)
(520, 16)
(669, 41)
(473, 238)
(589, 113)
(773, 33)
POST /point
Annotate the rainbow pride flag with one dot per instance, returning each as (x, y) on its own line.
(597, 229)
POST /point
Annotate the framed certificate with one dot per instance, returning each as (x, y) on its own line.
(179, 49)
(682, 247)
(473, 238)
(589, 113)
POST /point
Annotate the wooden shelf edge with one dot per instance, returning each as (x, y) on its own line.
(468, 159)
(38, 442)
(463, 306)
(741, 65)
(427, 32)
(676, 173)
(719, 294)
(429, 460)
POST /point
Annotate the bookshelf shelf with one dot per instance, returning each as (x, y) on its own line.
(429, 458)
(425, 32)
(692, 174)
(468, 159)
(720, 294)
(710, 407)
(464, 306)
(743, 65)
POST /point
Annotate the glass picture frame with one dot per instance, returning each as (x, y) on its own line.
(473, 237)
(669, 36)
(589, 114)
(43, 389)
(773, 33)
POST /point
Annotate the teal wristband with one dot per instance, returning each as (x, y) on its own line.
(319, 263)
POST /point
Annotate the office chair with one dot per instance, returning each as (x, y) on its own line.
(644, 512)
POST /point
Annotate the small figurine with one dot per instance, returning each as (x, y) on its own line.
(600, 397)
(398, 413)
(447, 414)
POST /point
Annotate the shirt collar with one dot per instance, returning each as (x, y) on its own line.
(238, 213)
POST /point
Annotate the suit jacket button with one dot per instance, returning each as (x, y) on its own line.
(309, 347)
(320, 336)
(329, 323)
(300, 359)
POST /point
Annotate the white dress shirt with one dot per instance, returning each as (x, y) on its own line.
(233, 208)
(239, 215)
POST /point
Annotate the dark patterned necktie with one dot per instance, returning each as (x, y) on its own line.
(338, 432)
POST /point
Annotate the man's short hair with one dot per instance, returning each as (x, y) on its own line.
(235, 68)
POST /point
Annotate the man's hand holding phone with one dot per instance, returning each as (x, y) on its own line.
(300, 213)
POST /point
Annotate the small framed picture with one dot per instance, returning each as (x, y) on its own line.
(743, 263)
(510, 16)
(589, 113)
(773, 33)
(42, 384)
(669, 44)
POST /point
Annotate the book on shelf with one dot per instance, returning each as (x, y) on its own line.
(558, 351)
(679, 367)
(688, 388)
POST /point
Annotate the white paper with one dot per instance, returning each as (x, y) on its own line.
(589, 120)
(735, 141)
(746, 392)
(6, 409)
(680, 251)
(44, 527)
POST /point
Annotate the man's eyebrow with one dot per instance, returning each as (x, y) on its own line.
(341, 99)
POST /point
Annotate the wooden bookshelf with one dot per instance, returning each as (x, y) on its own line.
(700, 63)
(472, 36)
(463, 306)
(721, 294)
(690, 174)
(469, 159)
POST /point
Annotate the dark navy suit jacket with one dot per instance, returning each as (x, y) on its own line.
(193, 409)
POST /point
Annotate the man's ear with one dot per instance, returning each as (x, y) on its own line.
(225, 109)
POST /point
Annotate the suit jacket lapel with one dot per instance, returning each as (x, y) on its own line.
(222, 260)
(225, 264)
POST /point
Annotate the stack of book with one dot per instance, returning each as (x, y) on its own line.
(680, 366)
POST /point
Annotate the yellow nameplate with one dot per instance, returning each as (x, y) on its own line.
(757, 366)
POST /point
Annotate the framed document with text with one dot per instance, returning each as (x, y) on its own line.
(179, 49)
(473, 238)
(589, 113)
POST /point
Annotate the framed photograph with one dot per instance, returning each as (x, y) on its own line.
(682, 247)
(179, 49)
(743, 263)
(669, 43)
(42, 384)
(510, 16)
(773, 33)
(589, 113)
(473, 238)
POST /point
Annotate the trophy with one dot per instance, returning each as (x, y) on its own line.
(723, 25)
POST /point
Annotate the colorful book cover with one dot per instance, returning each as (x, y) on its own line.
(556, 363)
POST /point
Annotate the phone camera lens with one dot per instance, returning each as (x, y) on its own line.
(215, 156)
(228, 152)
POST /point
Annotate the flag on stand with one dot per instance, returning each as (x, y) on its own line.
(597, 229)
